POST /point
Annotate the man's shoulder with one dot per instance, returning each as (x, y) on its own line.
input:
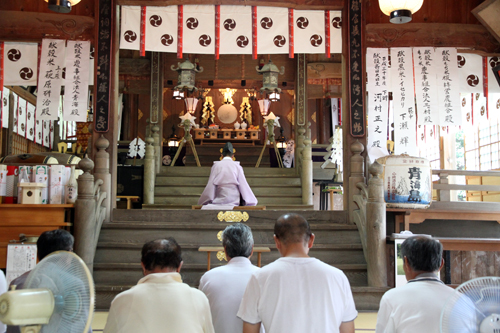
(415, 288)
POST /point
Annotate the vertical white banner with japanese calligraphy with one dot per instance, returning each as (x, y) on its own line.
(426, 85)
(405, 117)
(77, 81)
(50, 80)
(448, 87)
(377, 61)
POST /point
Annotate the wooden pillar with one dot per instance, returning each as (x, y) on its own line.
(301, 107)
(376, 229)
(357, 167)
(156, 107)
(85, 207)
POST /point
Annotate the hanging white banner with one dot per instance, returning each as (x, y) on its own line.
(20, 64)
(426, 85)
(493, 85)
(335, 111)
(272, 30)
(76, 85)
(470, 70)
(405, 117)
(131, 27)
(161, 29)
(378, 101)
(5, 107)
(479, 113)
(494, 106)
(30, 122)
(235, 30)
(335, 31)
(21, 117)
(39, 132)
(49, 84)
(46, 133)
(466, 106)
(309, 31)
(15, 111)
(449, 92)
(198, 31)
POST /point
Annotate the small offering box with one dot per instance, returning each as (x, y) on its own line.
(31, 193)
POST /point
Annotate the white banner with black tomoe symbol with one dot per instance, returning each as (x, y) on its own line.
(21, 117)
(466, 106)
(49, 84)
(309, 31)
(30, 122)
(405, 117)
(20, 64)
(235, 30)
(426, 85)
(198, 29)
(335, 31)
(479, 104)
(448, 88)
(130, 28)
(161, 29)
(76, 85)
(272, 30)
(470, 70)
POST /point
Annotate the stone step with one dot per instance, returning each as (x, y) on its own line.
(188, 200)
(202, 181)
(270, 191)
(268, 217)
(365, 298)
(188, 171)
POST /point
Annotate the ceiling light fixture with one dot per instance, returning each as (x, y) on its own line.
(400, 11)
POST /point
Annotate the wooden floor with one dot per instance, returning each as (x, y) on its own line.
(365, 322)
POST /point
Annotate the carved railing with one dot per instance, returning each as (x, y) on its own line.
(444, 187)
(90, 212)
(367, 211)
(149, 173)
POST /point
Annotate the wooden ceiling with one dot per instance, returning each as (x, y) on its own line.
(432, 11)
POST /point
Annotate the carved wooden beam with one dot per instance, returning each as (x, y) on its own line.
(296, 4)
(324, 70)
(33, 27)
(431, 34)
(135, 67)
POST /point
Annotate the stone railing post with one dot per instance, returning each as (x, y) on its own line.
(101, 171)
(149, 173)
(85, 208)
(298, 148)
(357, 176)
(443, 195)
(307, 173)
(376, 229)
(157, 144)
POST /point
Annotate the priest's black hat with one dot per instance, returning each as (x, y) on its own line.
(228, 149)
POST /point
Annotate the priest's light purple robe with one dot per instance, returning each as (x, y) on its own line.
(225, 185)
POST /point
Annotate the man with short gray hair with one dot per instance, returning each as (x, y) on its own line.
(224, 286)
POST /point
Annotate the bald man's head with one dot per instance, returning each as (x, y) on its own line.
(292, 228)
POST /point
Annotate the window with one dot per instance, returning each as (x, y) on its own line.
(482, 146)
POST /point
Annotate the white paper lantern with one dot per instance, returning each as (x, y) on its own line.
(400, 11)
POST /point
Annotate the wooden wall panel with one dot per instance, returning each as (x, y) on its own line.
(84, 8)
(441, 11)
(466, 265)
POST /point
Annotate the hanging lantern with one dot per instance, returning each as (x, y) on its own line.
(191, 103)
(274, 97)
(264, 106)
(178, 94)
(270, 73)
(187, 73)
(400, 11)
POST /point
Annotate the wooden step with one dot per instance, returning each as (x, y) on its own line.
(268, 207)
(202, 181)
(272, 191)
(193, 200)
(188, 171)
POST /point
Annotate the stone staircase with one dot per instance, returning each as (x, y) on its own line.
(181, 187)
(246, 154)
(117, 260)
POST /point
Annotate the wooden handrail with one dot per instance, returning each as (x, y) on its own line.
(466, 173)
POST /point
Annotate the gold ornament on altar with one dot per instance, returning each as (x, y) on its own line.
(207, 111)
(228, 95)
(233, 216)
(246, 111)
(221, 255)
(219, 235)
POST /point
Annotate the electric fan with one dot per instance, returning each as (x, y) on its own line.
(473, 307)
(58, 294)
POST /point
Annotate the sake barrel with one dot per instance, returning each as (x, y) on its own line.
(29, 158)
(62, 158)
(407, 181)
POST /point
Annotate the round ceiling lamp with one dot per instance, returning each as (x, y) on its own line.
(400, 11)
(61, 6)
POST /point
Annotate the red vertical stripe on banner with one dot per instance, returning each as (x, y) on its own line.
(180, 22)
(217, 31)
(327, 33)
(254, 32)
(1, 66)
(290, 33)
(485, 80)
(143, 31)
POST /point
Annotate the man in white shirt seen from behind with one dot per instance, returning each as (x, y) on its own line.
(297, 293)
(416, 306)
(160, 302)
(225, 285)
